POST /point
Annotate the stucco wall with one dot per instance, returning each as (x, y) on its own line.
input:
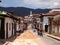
(45, 21)
(59, 29)
(17, 28)
(55, 29)
(9, 21)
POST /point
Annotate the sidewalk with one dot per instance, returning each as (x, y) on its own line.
(9, 40)
(52, 36)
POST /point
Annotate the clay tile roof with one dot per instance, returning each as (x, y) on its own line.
(52, 13)
(36, 15)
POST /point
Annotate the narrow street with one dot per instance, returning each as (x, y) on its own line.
(29, 22)
(30, 38)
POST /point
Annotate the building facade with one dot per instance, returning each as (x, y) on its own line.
(7, 25)
(48, 22)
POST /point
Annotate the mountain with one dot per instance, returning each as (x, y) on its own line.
(23, 11)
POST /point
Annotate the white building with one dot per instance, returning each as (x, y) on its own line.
(48, 20)
(7, 25)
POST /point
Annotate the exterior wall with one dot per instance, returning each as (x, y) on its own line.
(45, 21)
(55, 29)
(9, 21)
(21, 26)
(38, 23)
(38, 20)
(59, 29)
(17, 28)
(13, 29)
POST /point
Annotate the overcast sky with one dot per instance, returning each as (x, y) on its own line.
(31, 3)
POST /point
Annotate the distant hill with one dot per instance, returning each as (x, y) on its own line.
(23, 11)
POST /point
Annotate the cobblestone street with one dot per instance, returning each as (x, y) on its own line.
(29, 38)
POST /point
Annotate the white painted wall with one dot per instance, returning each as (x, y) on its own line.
(9, 21)
(13, 28)
(55, 29)
(17, 28)
(38, 20)
(45, 21)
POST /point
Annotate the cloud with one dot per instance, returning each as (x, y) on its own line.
(31, 3)
(35, 3)
(11, 3)
(42, 3)
(54, 4)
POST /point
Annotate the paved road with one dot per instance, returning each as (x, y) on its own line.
(38, 40)
(45, 40)
(49, 41)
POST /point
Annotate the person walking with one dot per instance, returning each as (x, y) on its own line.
(41, 32)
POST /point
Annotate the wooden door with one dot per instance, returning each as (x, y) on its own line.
(46, 28)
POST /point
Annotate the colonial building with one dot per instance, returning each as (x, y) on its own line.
(48, 21)
(21, 26)
(56, 24)
(7, 25)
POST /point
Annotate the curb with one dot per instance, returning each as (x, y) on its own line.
(54, 37)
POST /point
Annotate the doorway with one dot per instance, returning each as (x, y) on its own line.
(46, 28)
(2, 33)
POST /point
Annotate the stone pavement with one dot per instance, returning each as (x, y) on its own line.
(49, 40)
(7, 41)
(52, 36)
(27, 38)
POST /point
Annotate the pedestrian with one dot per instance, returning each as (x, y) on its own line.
(41, 32)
